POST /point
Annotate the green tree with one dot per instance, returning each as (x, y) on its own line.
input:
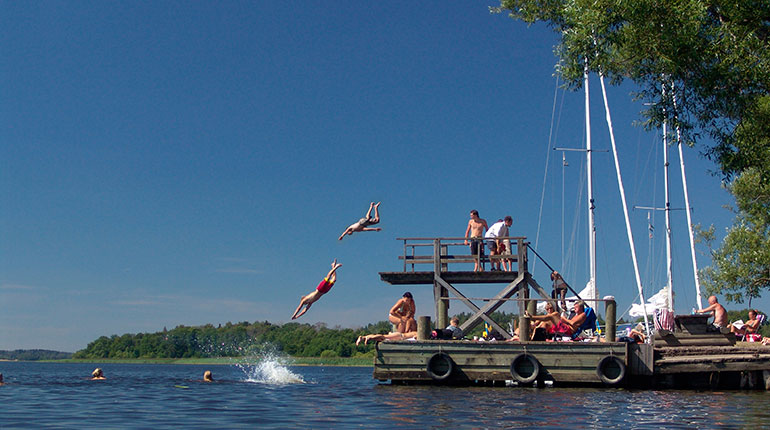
(740, 267)
(712, 56)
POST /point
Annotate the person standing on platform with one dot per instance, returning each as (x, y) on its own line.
(475, 232)
(559, 289)
(321, 289)
(498, 229)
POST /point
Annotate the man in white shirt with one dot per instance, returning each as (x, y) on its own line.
(498, 229)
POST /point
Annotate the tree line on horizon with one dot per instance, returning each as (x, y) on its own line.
(248, 339)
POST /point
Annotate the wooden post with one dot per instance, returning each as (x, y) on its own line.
(523, 328)
(609, 317)
(439, 292)
(532, 307)
(521, 251)
(423, 328)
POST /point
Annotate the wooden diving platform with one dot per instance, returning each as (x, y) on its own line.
(417, 278)
(689, 356)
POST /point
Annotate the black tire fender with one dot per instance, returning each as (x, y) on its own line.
(525, 368)
(611, 370)
(440, 366)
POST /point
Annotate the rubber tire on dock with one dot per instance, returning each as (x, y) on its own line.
(440, 366)
(611, 370)
(525, 368)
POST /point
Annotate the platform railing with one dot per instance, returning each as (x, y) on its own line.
(443, 249)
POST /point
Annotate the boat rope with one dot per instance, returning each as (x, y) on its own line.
(547, 163)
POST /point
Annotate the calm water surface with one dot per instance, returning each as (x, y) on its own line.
(271, 395)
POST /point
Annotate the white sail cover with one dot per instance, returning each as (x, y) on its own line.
(658, 301)
(585, 294)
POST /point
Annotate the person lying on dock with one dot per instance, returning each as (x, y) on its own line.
(401, 315)
(364, 223)
(321, 289)
(390, 336)
(720, 314)
(749, 327)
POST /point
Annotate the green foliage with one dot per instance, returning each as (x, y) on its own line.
(235, 340)
(740, 267)
(711, 56)
(34, 355)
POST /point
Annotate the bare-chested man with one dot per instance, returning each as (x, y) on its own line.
(321, 289)
(720, 314)
(475, 232)
(364, 223)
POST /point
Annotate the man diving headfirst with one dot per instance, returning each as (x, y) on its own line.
(364, 223)
(321, 289)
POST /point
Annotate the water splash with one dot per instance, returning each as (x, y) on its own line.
(270, 369)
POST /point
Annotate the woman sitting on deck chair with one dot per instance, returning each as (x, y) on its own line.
(584, 319)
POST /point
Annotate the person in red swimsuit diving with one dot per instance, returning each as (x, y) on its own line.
(320, 290)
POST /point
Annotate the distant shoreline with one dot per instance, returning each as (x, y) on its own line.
(291, 361)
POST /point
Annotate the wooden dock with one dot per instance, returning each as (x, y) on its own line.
(690, 356)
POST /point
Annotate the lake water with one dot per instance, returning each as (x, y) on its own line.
(272, 395)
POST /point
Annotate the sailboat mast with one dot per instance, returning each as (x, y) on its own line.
(667, 209)
(688, 210)
(623, 201)
(591, 207)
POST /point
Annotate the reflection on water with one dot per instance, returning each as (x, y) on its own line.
(147, 396)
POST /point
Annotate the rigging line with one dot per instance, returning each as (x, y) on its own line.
(545, 173)
(577, 218)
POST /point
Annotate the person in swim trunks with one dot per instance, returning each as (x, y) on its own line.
(364, 223)
(473, 234)
(322, 288)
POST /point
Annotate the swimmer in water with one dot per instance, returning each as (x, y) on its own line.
(97, 374)
(364, 223)
(321, 289)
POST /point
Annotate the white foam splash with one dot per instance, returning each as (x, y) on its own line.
(270, 370)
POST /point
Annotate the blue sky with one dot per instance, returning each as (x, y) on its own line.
(194, 162)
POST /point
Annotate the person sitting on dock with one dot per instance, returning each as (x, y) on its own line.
(453, 330)
(364, 223)
(474, 232)
(401, 315)
(1, 380)
(207, 376)
(498, 229)
(97, 374)
(574, 325)
(749, 327)
(321, 289)
(390, 336)
(720, 314)
(546, 322)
